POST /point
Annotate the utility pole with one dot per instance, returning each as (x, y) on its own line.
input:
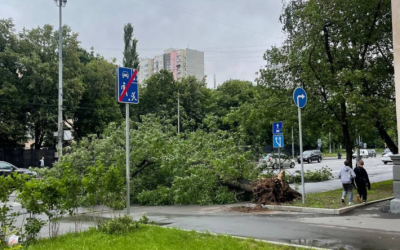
(60, 4)
(330, 147)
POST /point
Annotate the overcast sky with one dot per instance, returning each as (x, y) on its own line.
(232, 33)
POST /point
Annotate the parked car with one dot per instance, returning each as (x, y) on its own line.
(363, 153)
(310, 156)
(371, 152)
(387, 150)
(386, 157)
(8, 169)
(272, 161)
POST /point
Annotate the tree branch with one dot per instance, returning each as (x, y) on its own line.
(371, 29)
(328, 48)
(142, 166)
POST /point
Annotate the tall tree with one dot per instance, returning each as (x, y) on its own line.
(98, 107)
(131, 57)
(12, 111)
(39, 79)
(340, 52)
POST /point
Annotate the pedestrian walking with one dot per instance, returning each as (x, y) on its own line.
(362, 182)
(346, 175)
(42, 162)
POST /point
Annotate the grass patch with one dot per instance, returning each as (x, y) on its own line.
(332, 199)
(150, 237)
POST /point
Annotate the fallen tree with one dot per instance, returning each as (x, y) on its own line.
(265, 191)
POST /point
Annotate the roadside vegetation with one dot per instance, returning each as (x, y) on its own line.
(332, 199)
(318, 175)
(151, 237)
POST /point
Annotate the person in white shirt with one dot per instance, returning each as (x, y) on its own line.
(42, 162)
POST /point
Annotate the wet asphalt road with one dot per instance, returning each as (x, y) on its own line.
(353, 231)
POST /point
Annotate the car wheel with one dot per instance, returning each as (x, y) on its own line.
(299, 162)
(291, 165)
(385, 162)
(309, 160)
(319, 159)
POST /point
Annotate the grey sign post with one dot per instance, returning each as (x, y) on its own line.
(128, 93)
(300, 99)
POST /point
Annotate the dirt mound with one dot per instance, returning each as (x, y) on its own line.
(244, 209)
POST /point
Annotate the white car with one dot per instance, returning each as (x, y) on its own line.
(272, 160)
(125, 74)
(386, 157)
(363, 153)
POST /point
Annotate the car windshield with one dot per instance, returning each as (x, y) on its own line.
(306, 153)
(5, 166)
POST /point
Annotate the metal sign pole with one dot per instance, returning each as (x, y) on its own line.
(128, 200)
(301, 158)
(279, 158)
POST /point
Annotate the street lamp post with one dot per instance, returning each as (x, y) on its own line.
(60, 4)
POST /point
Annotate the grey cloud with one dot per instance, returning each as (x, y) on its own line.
(170, 23)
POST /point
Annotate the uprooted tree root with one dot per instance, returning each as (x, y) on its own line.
(266, 191)
(273, 191)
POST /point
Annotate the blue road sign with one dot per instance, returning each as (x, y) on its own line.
(127, 86)
(300, 97)
(278, 141)
(277, 128)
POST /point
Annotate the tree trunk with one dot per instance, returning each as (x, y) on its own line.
(347, 142)
(386, 138)
(37, 136)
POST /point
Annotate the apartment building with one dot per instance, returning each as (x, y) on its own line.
(145, 69)
(181, 62)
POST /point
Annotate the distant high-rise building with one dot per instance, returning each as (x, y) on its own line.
(181, 62)
(145, 69)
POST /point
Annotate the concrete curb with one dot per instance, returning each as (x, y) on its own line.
(247, 238)
(321, 210)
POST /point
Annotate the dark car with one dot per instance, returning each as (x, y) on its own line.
(8, 169)
(310, 156)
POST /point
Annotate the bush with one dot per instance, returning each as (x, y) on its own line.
(121, 225)
(322, 174)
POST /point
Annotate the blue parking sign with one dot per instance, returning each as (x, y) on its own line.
(127, 85)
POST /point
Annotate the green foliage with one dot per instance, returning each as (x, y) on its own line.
(98, 106)
(165, 168)
(318, 175)
(111, 192)
(12, 116)
(131, 57)
(7, 217)
(121, 225)
(38, 66)
(340, 52)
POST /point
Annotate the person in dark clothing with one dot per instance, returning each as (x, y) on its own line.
(362, 181)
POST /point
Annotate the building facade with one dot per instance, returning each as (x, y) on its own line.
(181, 62)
